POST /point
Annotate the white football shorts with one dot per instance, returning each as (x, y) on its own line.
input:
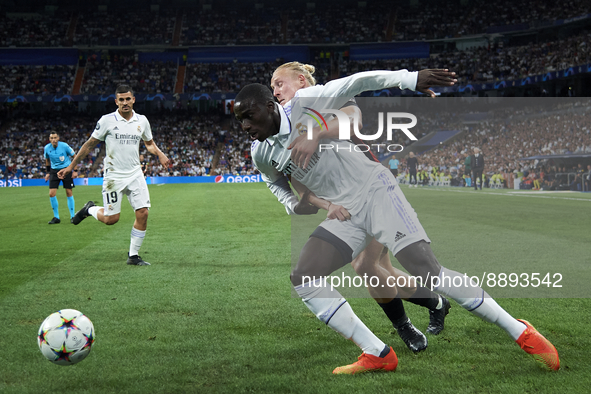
(386, 216)
(136, 191)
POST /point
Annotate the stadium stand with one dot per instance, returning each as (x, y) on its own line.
(21, 150)
(500, 44)
(140, 27)
(28, 80)
(485, 64)
(104, 73)
(307, 23)
(33, 29)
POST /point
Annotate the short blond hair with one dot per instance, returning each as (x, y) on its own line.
(305, 69)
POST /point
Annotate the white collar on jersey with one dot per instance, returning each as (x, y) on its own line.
(284, 127)
(134, 116)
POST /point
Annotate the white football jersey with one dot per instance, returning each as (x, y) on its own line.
(341, 174)
(267, 156)
(122, 139)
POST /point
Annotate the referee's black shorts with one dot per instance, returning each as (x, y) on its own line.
(54, 181)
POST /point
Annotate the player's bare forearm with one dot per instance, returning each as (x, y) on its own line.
(333, 211)
(309, 197)
(301, 189)
(82, 153)
(318, 202)
(153, 149)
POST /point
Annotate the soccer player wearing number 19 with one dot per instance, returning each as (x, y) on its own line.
(122, 131)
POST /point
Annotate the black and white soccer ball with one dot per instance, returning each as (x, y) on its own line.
(66, 337)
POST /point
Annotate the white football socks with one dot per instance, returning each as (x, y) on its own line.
(94, 211)
(474, 299)
(137, 237)
(332, 309)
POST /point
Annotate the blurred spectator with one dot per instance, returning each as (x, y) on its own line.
(34, 30)
(102, 76)
(139, 27)
(24, 80)
(21, 150)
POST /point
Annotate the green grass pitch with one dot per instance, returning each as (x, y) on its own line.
(215, 312)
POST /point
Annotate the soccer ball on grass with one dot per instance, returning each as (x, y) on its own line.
(66, 337)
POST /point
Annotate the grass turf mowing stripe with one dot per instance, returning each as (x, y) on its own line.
(214, 312)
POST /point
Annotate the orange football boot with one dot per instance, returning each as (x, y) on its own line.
(367, 363)
(539, 347)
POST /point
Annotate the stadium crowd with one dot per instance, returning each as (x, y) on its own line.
(472, 66)
(296, 24)
(21, 149)
(140, 27)
(190, 140)
(34, 30)
(437, 20)
(224, 77)
(235, 153)
(104, 70)
(349, 25)
(25, 80)
(485, 64)
(213, 144)
(232, 27)
(104, 73)
(505, 141)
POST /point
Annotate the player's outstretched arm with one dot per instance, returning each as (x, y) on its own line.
(153, 149)
(434, 77)
(82, 153)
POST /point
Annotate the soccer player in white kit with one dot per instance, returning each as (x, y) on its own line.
(122, 131)
(285, 82)
(378, 209)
